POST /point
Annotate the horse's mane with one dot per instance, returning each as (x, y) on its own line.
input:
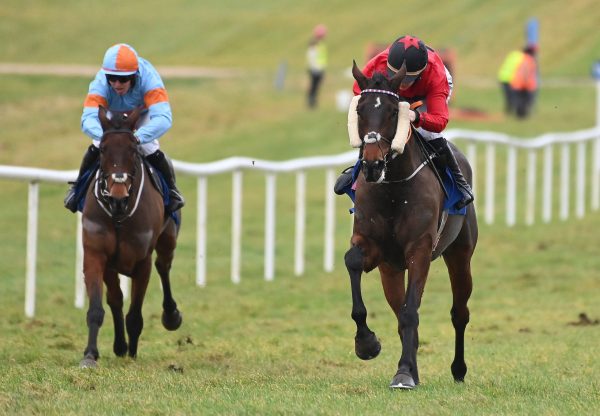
(379, 81)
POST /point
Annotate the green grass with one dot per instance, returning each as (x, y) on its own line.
(286, 347)
(258, 35)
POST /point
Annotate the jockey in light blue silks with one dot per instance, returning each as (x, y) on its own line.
(125, 82)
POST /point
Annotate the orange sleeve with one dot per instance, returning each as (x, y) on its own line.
(95, 100)
(157, 95)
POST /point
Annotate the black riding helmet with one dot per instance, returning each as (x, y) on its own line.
(411, 51)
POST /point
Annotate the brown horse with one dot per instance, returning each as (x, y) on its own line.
(124, 222)
(400, 224)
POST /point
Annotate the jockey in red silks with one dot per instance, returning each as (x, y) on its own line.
(125, 82)
(427, 86)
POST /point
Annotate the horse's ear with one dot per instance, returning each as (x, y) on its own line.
(133, 118)
(104, 121)
(398, 77)
(360, 78)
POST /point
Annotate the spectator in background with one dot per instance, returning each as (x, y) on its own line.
(505, 76)
(316, 56)
(518, 76)
(524, 83)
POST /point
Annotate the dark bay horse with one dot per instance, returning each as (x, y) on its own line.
(400, 225)
(124, 222)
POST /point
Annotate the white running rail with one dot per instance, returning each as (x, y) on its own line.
(584, 141)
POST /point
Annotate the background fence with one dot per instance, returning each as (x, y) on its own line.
(554, 148)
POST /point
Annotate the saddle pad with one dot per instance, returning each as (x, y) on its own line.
(454, 194)
(82, 186)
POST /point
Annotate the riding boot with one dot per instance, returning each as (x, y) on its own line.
(443, 149)
(163, 164)
(344, 182)
(89, 158)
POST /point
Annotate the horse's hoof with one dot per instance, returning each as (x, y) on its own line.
(120, 350)
(172, 321)
(459, 370)
(368, 347)
(88, 363)
(402, 381)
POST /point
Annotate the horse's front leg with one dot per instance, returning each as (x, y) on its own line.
(366, 344)
(407, 375)
(93, 270)
(134, 320)
(114, 298)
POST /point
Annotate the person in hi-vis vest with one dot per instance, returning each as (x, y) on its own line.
(316, 57)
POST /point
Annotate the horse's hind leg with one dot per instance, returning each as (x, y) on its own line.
(134, 320)
(114, 298)
(366, 344)
(165, 249)
(458, 262)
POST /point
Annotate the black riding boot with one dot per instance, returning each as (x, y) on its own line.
(163, 164)
(89, 158)
(447, 156)
(344, 182)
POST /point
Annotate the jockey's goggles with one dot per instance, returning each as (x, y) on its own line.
(121, 78)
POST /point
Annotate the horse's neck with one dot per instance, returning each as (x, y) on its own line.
(405, 164)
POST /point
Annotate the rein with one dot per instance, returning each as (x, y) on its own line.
(112, 131)
(426, 162)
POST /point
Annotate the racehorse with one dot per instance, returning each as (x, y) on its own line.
(124, 222)
(400, 224)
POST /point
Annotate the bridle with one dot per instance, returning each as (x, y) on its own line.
(376, 137)
(102, 188)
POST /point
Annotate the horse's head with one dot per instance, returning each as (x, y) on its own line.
(118, 157)
(378, 121)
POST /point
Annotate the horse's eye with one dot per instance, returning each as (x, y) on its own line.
(395, 113)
